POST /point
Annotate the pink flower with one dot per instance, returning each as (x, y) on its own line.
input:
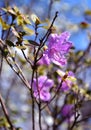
(67, 110)
(58, 47)
(67, 83)
(42, 89)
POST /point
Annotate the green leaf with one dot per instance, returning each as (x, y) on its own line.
(19, 128)
(6, 52)
(22, 19)
(10, 43)
(5, 26)
(16, 10)
(9, 10)
(45, 27)
(60, 72)
(4, 9)
(26, 19)
(79, 53)
(22, 33)
(35, 19)
(73, 79)
(88, 12)
(3, 122)
(28, 30)
(19, 20)
(33, 42)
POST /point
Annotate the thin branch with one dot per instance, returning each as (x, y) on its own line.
(39, 103)
(19, 74)
(1, 64)
(83, 119)
(39, 106)
(74, 123)
(26, 58)
(6, 113)
(3, 14)
(44, 39)
(33, 105)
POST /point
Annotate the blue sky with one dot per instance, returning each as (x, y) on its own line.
(70, 10)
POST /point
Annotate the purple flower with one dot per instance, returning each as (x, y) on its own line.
(42, 89)
(44, 60)
(67, 110)
(58, 47)
(67, 83)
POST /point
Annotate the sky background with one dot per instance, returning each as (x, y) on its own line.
(71, 13)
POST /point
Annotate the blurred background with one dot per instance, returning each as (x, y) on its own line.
(75, 17)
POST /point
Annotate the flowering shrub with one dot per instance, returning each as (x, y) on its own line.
(48, 73)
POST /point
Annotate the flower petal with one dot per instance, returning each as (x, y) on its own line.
(67, 110)
(45, 95)
(58, 59)
(44, 60)
(49, 83)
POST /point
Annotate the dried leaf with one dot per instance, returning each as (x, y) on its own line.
(88, 12)
(84, 25)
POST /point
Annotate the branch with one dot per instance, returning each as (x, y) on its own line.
(6, 113)
(18, 71)
(19, 74)
(44, 39)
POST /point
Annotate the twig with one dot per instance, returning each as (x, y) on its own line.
(39, 103)
(44, 39)
(74, 123)
(26, 58)
(19, 74)
(87, 117)
(3, 14)
(1, 64)
(33, 105)
(6, 113)
(39, 106)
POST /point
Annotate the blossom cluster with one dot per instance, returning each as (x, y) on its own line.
(42, 87)
(57, 49)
